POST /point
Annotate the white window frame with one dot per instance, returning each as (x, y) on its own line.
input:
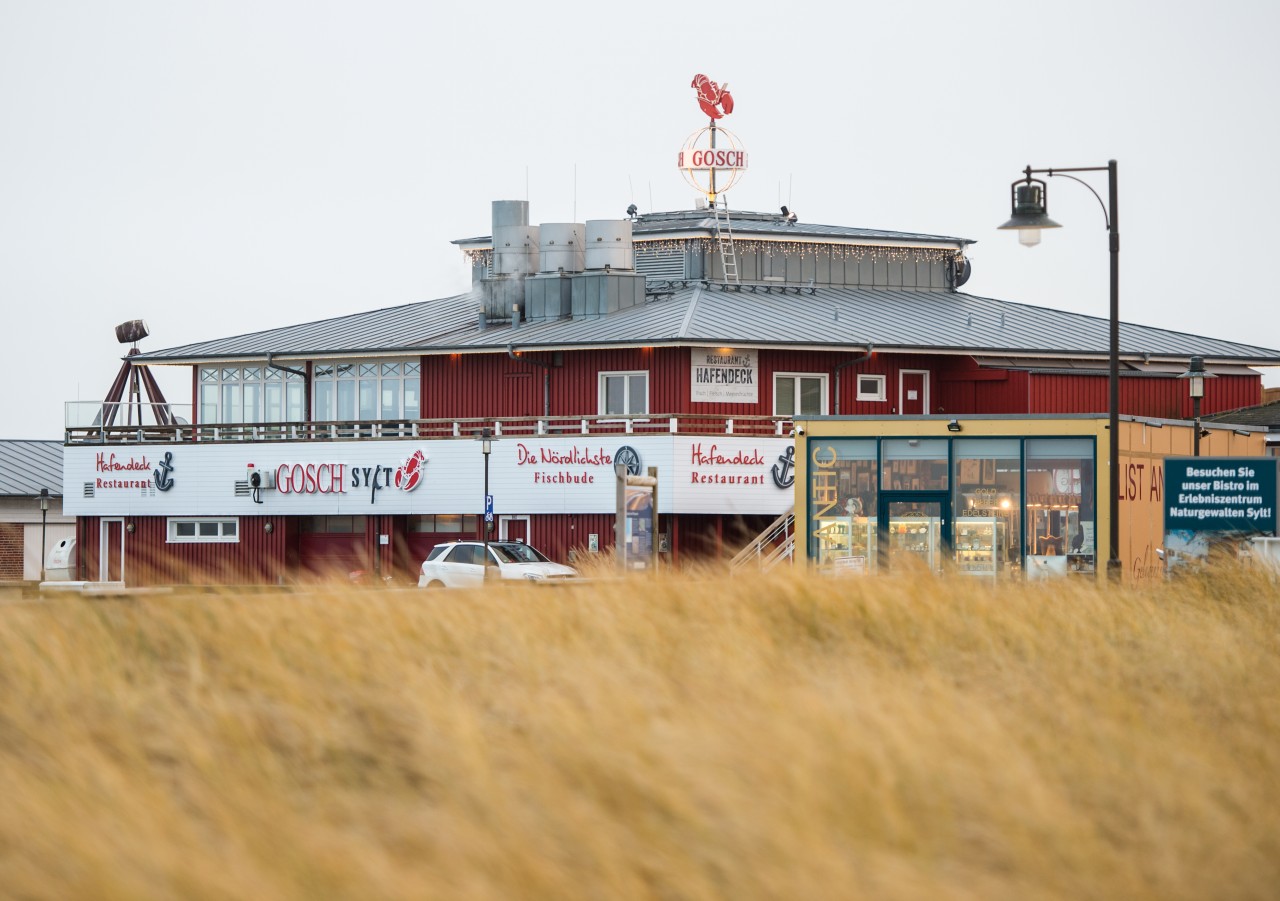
(627, 374)
(332, 372)
(172, 536)
(880, 393)
(821, 376)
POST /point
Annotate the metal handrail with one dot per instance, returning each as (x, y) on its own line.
(778, 537)
(444, 428)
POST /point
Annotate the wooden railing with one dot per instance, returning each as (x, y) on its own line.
(673, 424)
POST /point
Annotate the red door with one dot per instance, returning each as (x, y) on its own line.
(915, 393)
(516, 529)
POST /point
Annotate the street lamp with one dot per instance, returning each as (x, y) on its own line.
(485, 438)
(1195, 376)
(1030, 214)
(44, 519)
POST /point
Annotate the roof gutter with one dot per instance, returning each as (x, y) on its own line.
(274, 365)
(862, 359)
(556, 362)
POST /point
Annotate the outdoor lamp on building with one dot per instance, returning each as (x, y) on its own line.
(44, 519)
(1029, 214)
(1195, 376)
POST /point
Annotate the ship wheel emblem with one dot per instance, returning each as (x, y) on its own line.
(627, 456)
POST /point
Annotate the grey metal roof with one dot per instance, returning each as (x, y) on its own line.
(746, 224)
(1262, 415)
(28, 466)
(890, 319)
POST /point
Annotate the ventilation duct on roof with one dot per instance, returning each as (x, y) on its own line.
(609, 244)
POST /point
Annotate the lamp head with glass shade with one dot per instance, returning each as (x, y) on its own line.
(1029, 198)
(1195, 376)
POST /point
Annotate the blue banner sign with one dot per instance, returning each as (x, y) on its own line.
(1220, 494)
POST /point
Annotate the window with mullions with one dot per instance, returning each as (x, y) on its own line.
(799, 394)
(624, 393)
(250, 394)
(202, 529)
(366, 391)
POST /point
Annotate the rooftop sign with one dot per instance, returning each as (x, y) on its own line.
(712, 160)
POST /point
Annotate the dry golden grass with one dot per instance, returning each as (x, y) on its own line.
(766, 737)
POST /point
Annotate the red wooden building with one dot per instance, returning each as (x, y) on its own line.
(686, 341)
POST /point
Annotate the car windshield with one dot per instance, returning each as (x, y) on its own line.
(518, 553)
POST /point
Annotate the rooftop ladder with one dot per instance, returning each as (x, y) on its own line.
(724, 236)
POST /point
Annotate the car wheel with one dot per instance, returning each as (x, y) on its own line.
(435, 583)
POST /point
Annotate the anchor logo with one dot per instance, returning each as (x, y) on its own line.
(163, 480)
(783, 475)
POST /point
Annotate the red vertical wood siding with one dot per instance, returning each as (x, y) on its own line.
(1157, 397)
(149, 559)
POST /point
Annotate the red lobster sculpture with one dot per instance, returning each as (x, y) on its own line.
(715, 101)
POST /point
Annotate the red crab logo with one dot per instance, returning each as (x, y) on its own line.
(715, 101)
(409, 473)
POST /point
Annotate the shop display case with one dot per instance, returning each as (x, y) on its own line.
(916, 536)
(847, 544)
(979, 542)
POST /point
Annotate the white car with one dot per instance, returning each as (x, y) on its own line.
(461, 564)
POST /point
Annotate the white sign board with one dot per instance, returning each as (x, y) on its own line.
(723, 474)
(722, 375)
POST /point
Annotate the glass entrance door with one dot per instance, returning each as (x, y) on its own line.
(914, 529)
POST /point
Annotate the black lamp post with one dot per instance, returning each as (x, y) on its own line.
(44, 519)
(1195, 376)
(486, 447)
(1030, 214)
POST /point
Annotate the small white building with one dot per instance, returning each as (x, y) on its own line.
(26, 530)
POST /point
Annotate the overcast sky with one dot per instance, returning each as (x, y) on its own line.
(222, 167)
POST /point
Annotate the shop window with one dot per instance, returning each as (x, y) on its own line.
(914, 464)
(443, 524)
(1061, 500)
(624, 393)
(202, 529)
(986, 504)
(799, 394)
(842, 496)
(250, 394)
(871, 387)
(366, 391)
(333, 525)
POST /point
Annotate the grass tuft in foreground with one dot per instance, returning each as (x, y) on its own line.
(765, 737)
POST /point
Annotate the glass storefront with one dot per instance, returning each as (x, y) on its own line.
(843, 495)
(976, 506)
(1061, 533)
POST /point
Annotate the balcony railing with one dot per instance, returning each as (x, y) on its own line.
(85, 425)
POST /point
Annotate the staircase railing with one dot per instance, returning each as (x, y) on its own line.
(777, 543)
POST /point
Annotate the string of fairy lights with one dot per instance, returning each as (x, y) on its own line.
(841, 252)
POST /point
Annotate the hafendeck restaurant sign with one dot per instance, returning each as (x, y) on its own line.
(723, 375)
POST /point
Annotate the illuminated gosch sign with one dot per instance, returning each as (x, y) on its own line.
(712, 159)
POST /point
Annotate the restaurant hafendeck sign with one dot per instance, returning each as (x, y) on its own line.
(1220, 494)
